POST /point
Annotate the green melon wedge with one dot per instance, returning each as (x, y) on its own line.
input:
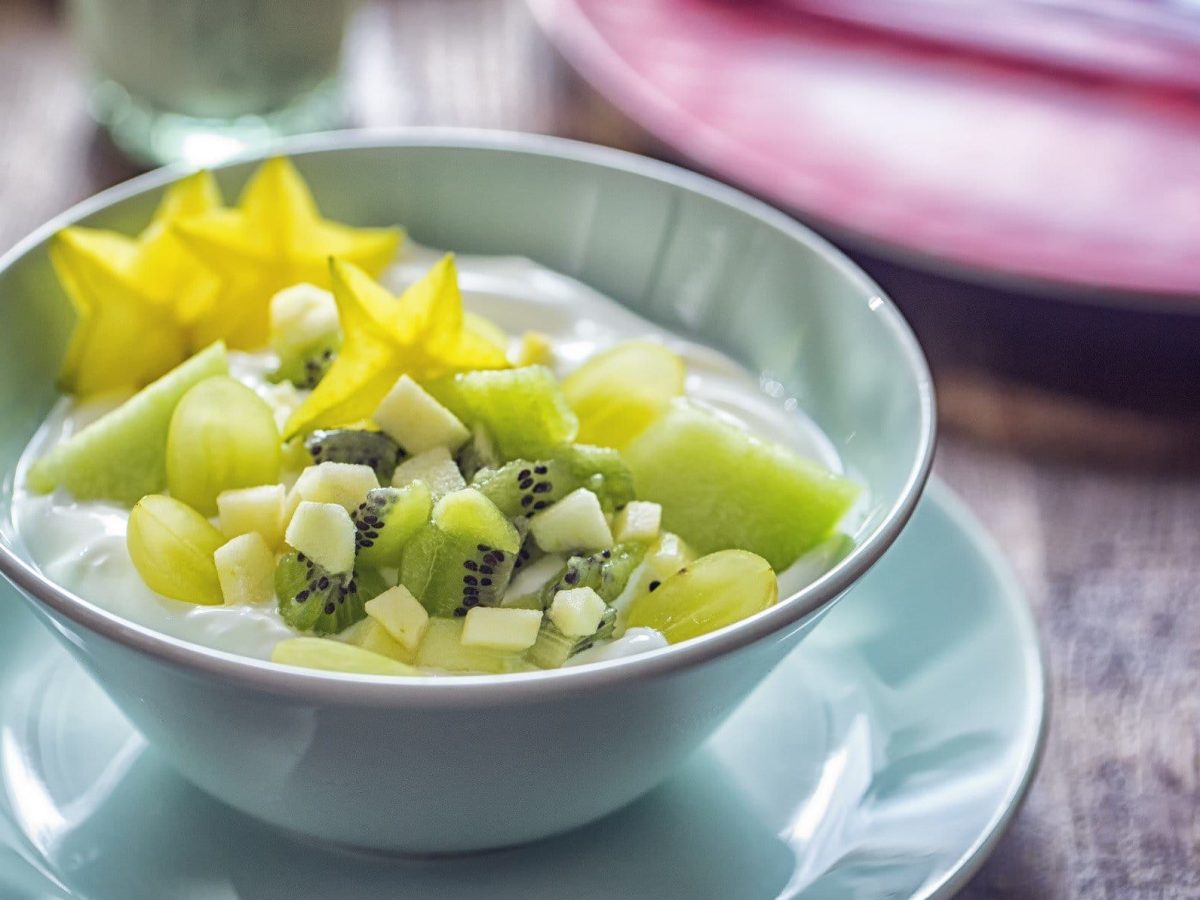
(122, 456)
(722, 488)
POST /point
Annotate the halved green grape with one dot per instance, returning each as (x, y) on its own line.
(172, 548)
(710, 593)
(222, 436)
(619, 392)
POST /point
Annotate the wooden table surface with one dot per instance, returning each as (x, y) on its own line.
(1098, 509)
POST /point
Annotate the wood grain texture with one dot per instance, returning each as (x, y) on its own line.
(1099, 511)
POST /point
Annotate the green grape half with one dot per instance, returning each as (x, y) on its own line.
(710, 593)
(172, 548)
(222, 436)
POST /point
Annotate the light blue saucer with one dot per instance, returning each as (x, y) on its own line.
(883, 758)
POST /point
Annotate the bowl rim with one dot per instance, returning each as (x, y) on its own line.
(426, 691)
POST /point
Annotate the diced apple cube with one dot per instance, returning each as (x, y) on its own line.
(640, 521)
(401, 614)
(576, 522)
(246, 569)
(502, 629)
(345, 484)
(370, 635)
(417, 422)
(324, 532)
(434, 467)
(301, 313)
(577, 612)
(253, 509)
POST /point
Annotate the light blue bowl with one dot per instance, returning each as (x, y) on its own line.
(456, 764)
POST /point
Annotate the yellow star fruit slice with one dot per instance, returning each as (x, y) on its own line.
(273, 239)
(423, 334)
(134, 296)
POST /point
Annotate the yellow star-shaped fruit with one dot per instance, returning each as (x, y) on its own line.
(423, 333)
(274, 238)
(135, 297)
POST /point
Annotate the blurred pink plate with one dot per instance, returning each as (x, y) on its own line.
(954, 161)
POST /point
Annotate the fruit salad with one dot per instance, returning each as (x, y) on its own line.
(304, 425)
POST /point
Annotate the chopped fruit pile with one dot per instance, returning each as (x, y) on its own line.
(433, 499)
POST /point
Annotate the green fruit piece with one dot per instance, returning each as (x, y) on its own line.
(618, 393)
(335, 656)
(387, 520)
(522, 409)
(553, 648)
(530, 552)
(434, 467)
(463, 558)
(306, 365)
(416, 421)
(606, 572)
(172, 548)
(477, 454)
(663, 558)
(324, 532)
(357, 447)
(710, 593)
(523, 487)
(222, 436)
(722, 488)
(305, 333)
(574, 523)
(370, 635)
(122, 456)
(313, 599)
(442, 648)
(470, 515)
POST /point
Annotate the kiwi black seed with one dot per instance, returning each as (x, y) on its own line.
(306, 366)
(353, 445)
(521, 488)
(312, 599)
(606, 573)
(450, 574)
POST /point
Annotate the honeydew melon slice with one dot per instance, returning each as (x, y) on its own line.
(122, 455)
(722, 488)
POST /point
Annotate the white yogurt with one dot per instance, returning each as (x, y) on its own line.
(81, 545)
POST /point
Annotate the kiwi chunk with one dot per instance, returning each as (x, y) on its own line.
(523, 409)
(524, 487)
(530, 552)
(450, 574)
(477, 454)
(306, 365)
(553, 648)
(463, 558)
(312, 599)
(356, 446)
(387, 520)
(606, 572)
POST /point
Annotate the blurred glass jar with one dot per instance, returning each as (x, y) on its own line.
(200, 80)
